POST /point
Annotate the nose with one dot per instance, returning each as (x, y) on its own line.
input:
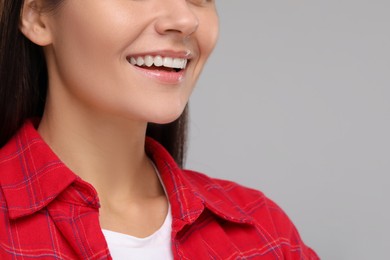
(176, 17)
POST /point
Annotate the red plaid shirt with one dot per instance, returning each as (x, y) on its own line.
(48, 212)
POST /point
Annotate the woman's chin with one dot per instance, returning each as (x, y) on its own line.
(166, 117)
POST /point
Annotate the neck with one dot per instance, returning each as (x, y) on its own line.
(104, 151)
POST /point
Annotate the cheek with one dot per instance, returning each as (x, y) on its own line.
(208, 32)
(85, 54)
(207, 36)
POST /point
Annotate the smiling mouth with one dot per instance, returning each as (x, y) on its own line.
(158, 62)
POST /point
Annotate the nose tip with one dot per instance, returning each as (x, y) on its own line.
(179, 19)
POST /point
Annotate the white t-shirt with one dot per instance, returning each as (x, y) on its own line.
(155, 246)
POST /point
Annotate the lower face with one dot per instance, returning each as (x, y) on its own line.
(134, 59)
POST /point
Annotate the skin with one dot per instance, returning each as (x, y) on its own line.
(98, 105)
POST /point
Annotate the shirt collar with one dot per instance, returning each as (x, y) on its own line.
(31, 175)
(190, 193)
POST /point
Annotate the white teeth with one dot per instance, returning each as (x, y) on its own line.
(140, 61)
(148, 60)
(168, 62)
(177, 63)
(158, 61)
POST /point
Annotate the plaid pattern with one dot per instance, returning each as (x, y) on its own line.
(47, 212)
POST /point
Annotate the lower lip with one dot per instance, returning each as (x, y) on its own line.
(165, 77)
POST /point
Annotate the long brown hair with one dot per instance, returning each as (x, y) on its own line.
(23, 83)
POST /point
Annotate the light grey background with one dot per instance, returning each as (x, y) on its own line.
(295, 102)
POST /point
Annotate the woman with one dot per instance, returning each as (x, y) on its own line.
(93, 138)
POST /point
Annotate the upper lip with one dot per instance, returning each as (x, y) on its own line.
(183, 54)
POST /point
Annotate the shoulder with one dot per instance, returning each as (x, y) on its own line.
(248, 199)
(254, 207)
(235, 192)
(251, 202)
